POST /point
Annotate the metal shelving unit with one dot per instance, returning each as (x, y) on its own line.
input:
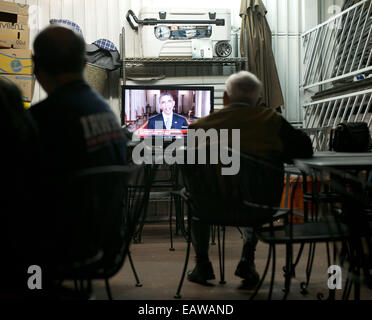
(130, 62)
(185, 60)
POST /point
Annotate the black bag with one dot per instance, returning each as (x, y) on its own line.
(350, 137)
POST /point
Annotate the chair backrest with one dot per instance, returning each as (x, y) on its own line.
(88, 212)
(135, 201)
(89, 220)
(353, 191)
(231, 200)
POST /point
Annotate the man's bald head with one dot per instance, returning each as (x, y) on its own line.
(59, 50)
(243, 87)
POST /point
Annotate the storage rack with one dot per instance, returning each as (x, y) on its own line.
(239, 63)
(337, 65)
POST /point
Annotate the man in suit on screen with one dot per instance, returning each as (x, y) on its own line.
(167, 119)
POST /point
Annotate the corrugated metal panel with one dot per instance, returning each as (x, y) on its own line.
(105, 18)
(284, 18)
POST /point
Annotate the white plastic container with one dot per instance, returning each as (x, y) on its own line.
(174, 30)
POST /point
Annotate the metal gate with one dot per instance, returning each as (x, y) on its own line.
(339, 48)
(320, 116)
(336, 55)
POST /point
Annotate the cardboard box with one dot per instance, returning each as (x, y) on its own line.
(13, 7)
(18, 61)
(15, 35)
(13, 18)
(24, 82)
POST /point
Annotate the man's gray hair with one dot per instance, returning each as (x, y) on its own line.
(243, 86)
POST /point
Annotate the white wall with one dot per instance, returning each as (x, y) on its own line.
(284, 18)
(105, 19)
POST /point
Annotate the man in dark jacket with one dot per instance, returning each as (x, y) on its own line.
(263, 133)
(78, 129)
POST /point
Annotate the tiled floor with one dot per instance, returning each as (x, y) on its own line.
(160, 269)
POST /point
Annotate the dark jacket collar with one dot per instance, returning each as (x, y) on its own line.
(63, 89)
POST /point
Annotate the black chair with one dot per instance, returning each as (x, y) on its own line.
(247, 199)
(316, 194)
(354, 210)
(104, 204)
(165, 180)
(324, 227)
(320, 194)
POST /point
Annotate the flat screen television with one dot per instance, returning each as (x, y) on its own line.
(150, 110)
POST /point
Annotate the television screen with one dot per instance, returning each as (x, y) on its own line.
(164, 110)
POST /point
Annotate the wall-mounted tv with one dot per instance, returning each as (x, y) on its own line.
(150, 110)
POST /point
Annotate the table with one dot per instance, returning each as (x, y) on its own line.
(350, 161)
(339, 160)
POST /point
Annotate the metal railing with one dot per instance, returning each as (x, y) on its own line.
(339, 48)
(322, 115)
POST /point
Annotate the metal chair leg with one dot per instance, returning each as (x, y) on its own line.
(288, 274)
(182, 217)
(170, 224)
(347, 289)
(352, 279)
(263, 275)
(213, 235)
(138, 282)
(180, 223)
(309, 267)
(178, 293)
(299, 254)
(328, 254)
(221, 253)
(344, 254)
(108, 289)
(294, 265)
(272, 274)
(137, 237)
(177, 215)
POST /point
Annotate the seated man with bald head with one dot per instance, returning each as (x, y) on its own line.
(263, 133)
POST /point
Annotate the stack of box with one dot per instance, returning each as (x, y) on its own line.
(15, 55)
